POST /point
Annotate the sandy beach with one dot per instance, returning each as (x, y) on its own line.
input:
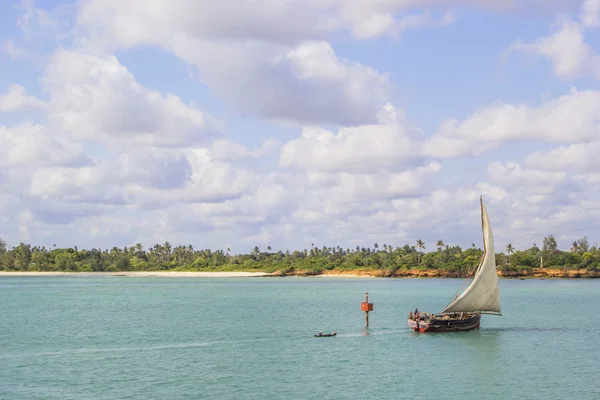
(177, 274)
(171, 274)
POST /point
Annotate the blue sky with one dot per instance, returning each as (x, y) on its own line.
(235, 113)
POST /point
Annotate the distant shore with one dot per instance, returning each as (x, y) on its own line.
(434, 273)
(174, 274)
(402, 273)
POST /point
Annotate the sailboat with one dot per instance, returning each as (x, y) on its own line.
(482, 296)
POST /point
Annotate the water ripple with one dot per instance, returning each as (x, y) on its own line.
(123, 349)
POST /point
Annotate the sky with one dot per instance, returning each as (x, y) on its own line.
(288, 123)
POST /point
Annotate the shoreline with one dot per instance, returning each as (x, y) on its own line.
(536, 273)
(172, 274)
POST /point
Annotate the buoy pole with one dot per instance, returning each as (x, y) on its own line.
(366, 307)
(367, 301)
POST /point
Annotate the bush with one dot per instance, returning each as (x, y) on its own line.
(595, 266)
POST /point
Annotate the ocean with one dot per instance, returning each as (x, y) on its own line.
(115, 337)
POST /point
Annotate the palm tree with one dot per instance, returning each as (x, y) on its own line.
(139, 248)
(167, 251)
(440, 245)
(509, 250)
(575, 247)
(420, 245)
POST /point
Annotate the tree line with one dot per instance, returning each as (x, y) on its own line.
(161, 257)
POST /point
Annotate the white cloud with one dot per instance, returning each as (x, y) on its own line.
(451, 215)
(566, 48)
(572, 117)
(330, 205)
(98, 98)
(147, 177)
(308, 83)
(283, 22)
(288, 22)
(440, 146)
(17, 99)
(512, 175)
(386, 23)
(227, 150)
(39, 24)
(391, 144)
(363, 187)
(209, 181)
(540, 199)
(27, 145)
(268, 20)
(590, 13)
(13, 51)
(570, 55)
(529, 202)
(266, 204)
(270, 58)
(578, 158)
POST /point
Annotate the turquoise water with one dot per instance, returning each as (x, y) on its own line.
(251, 338)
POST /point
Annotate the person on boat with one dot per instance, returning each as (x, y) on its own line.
(320, 333)
(410, 315)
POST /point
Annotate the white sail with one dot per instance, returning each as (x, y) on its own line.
(483, 294)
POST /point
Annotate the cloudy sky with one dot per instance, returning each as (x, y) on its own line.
(290, 122)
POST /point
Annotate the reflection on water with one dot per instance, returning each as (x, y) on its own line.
(482, 341)
(108, 350)
(530, 329)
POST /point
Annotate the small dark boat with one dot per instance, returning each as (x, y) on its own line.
(325, 334)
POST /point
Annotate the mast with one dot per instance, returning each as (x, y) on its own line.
(483, 294)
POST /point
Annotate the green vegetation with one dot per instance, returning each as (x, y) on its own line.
(453, 259)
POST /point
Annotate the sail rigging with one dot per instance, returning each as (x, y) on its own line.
(483, 294)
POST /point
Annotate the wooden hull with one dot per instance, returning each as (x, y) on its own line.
(451, 325)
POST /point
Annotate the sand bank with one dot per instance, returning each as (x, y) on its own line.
(343, 275)
(172, 274)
